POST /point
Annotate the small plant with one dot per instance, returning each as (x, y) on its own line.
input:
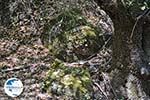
(68, 81)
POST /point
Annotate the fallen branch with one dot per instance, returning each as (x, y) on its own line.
(15, 68)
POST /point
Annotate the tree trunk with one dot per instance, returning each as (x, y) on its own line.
(127, 51)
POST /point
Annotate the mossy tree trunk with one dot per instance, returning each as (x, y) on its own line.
(126, 78)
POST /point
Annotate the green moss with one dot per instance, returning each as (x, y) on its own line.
(63, 80)
(70, 37)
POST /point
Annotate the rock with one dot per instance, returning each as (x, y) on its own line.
(71, 37)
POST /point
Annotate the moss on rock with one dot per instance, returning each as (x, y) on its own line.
(70, 37)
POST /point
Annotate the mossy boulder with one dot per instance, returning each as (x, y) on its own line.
(68, 82)
(70, 37)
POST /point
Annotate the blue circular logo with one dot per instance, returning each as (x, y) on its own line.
(13, 87)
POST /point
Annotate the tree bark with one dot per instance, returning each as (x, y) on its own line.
(126, 58)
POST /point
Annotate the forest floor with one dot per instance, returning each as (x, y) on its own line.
(23, 54)
(29, 63)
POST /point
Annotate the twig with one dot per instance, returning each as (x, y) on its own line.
(76, 64)
(99, 87)
(104, 46)
(132, 33)
(107, 78)
(138, 18)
